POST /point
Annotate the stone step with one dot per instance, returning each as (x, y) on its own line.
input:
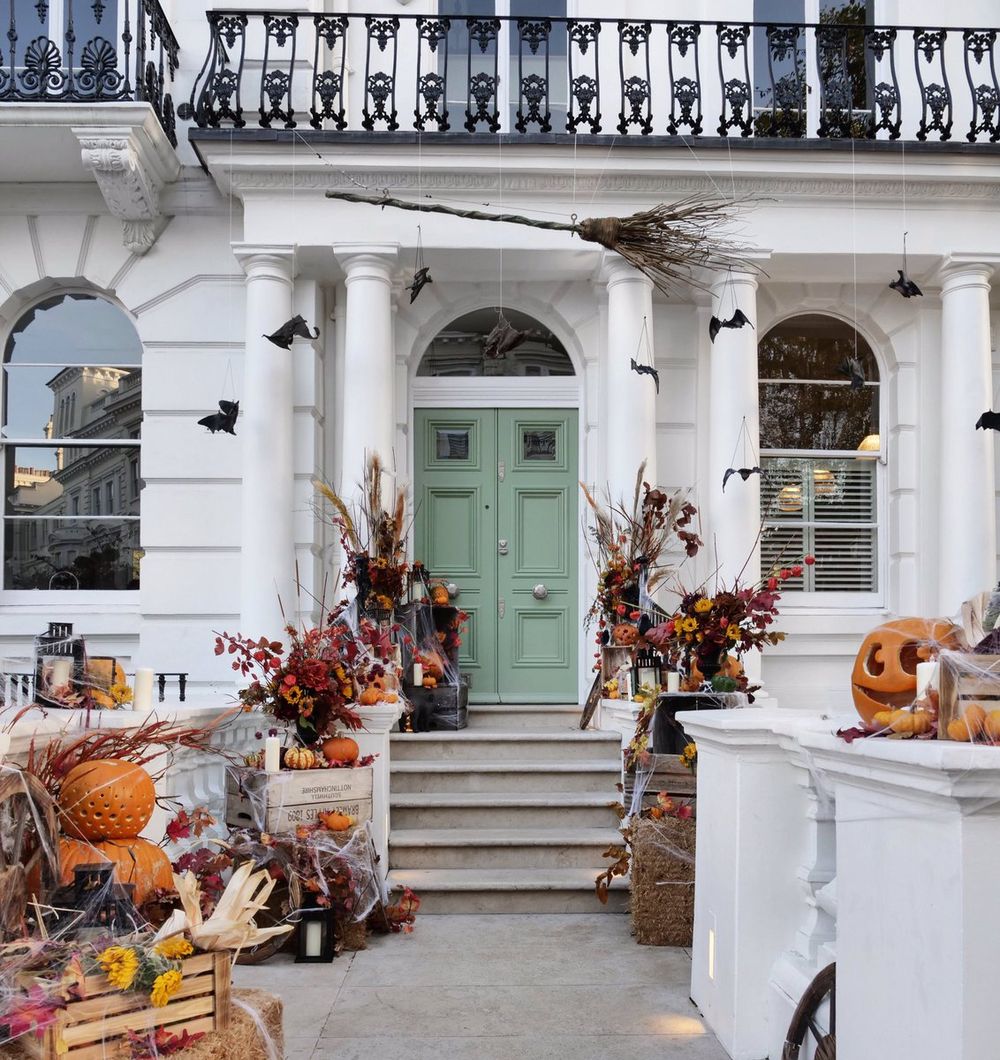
(515, 747)
(590, 775)
(559, 890)
(485, 809)
(499, 848)
(522, 717)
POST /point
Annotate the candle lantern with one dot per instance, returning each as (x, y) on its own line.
(60, 660)
(94, 903)
(315, 938)
(646, 669)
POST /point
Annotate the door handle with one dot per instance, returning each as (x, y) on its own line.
(540, 592)
(501, 607)
(503, 547)
(453, 590)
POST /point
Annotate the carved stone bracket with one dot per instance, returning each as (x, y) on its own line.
(131, 169)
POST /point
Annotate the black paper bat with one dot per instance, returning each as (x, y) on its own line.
(989, 421)
(647, 369)
(294, 328)
(737, 320)
(502, 339)
(853, 370)
(645, 625)
(906, 287)
(743, 472)
(605, 638)
(421, 278)
(224, 419)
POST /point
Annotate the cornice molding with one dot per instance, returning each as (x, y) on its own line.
(627, 184)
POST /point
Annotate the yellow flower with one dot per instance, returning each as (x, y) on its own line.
(293, 695)
(165, 986)
(689, 625)
(120, 694)
(173, 949)
(703, 605)
(689, 756)
(733, 632)
(119, 965)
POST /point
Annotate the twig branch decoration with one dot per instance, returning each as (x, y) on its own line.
(667, 243)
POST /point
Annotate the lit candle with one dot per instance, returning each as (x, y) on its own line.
(60, 672)
(314, 938)
(4, 745)
(142, 690)
(418, 673)
(926, 677)
(272, 754)
(673, 681)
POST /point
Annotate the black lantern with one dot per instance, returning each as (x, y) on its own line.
(646, 669)
(314, 942)
(95, 902)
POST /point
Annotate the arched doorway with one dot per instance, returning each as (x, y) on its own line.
(496, 499)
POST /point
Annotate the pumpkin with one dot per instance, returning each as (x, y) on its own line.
(440, 597)
(369, 697)
(300, 758)
(885, 670)
(432, 663)
(430, 682)
(625, 634)
(911, 722)
(336, 822)
(341, 749)
(991, 727)
(969, 725)
(136, 861)
(106, 798)
(731, 667)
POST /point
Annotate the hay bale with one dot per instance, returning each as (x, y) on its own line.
(245, 1036)
(351, 935)
(662, 881)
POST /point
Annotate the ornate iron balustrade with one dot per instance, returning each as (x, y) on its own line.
(88, 51)
(541, 75)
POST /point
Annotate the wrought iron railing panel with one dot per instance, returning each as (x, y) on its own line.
(89, 51)
(636, 78)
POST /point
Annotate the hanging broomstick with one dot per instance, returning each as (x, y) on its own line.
(666, 243)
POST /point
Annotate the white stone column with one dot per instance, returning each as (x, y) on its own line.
(967, 550)
(629, 403)
(368, 401)
(265, 427)
(734, 515)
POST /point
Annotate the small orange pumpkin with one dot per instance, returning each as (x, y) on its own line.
(439, 596)
(136, 861)
(341, 749)
(300, 758)
(432, 663)
(625, 634)
(336, 822)
(430, 682)
(106, 798)
(369, 697)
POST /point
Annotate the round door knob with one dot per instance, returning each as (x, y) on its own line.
(540, 592)
(453, 590)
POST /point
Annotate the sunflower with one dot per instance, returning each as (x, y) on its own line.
(173, 949)
(689, 625)
(119, 965)
(733, 632)
(164, 987)
(703, 605)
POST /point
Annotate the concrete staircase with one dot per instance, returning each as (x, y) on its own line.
(510, 815)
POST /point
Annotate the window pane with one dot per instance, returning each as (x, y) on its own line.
(814, 347)
(814, 416)
(74, 329)
(87, 26)
(44, 481)
(452, 444)
(71, 554)
(539, 445)
(103, 402)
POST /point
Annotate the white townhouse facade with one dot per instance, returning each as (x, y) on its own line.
(163, 170)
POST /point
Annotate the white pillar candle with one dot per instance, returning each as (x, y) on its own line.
(272, 754)
(142, 690)
(926, 677)
(418, 674)
(4, 745)
(314, 938)
(60, 672)
(673, 681)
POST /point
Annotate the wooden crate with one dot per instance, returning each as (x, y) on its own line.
(612, 660)
(964, 679)
(279, 802)
(668, 775)
(95, 1028)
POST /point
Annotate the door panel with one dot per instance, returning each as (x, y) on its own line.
(497, 514)
(537, 515)
(455, 527)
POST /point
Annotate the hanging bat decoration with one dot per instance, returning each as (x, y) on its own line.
(647, 369)
(853, 370)
(743, 472)
(737, 320)
(604, 639)
(989, 421)
(224, 420)
(294, 328)
(906, 287)
(421, 278)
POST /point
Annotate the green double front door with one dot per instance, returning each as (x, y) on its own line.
(496, 493)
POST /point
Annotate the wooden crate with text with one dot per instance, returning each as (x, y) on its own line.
(280, 802)
(965, 679)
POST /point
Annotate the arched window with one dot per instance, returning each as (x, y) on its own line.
(72, 411)
(821, 446)
(463, 348)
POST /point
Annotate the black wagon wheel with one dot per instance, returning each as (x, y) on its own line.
(821, 989)
(282, 905)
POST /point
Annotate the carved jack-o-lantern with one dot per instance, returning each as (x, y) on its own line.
(885, 671)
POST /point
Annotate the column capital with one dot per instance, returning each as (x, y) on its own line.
(615, 269)
(376, 260)
(957, 272)
(740, 277)
(266, 260)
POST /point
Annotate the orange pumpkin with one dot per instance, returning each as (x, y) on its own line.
(439, 596)
(341, 749)
(136, 861)
(336, 822)
(106, 798)
(369, 697)
(885, 670)
(432, 663)
(625, 634)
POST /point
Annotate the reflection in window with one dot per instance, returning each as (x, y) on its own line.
(452, 444)
(71, 371)
(539, 445)
(820, 444)
(460, 349)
